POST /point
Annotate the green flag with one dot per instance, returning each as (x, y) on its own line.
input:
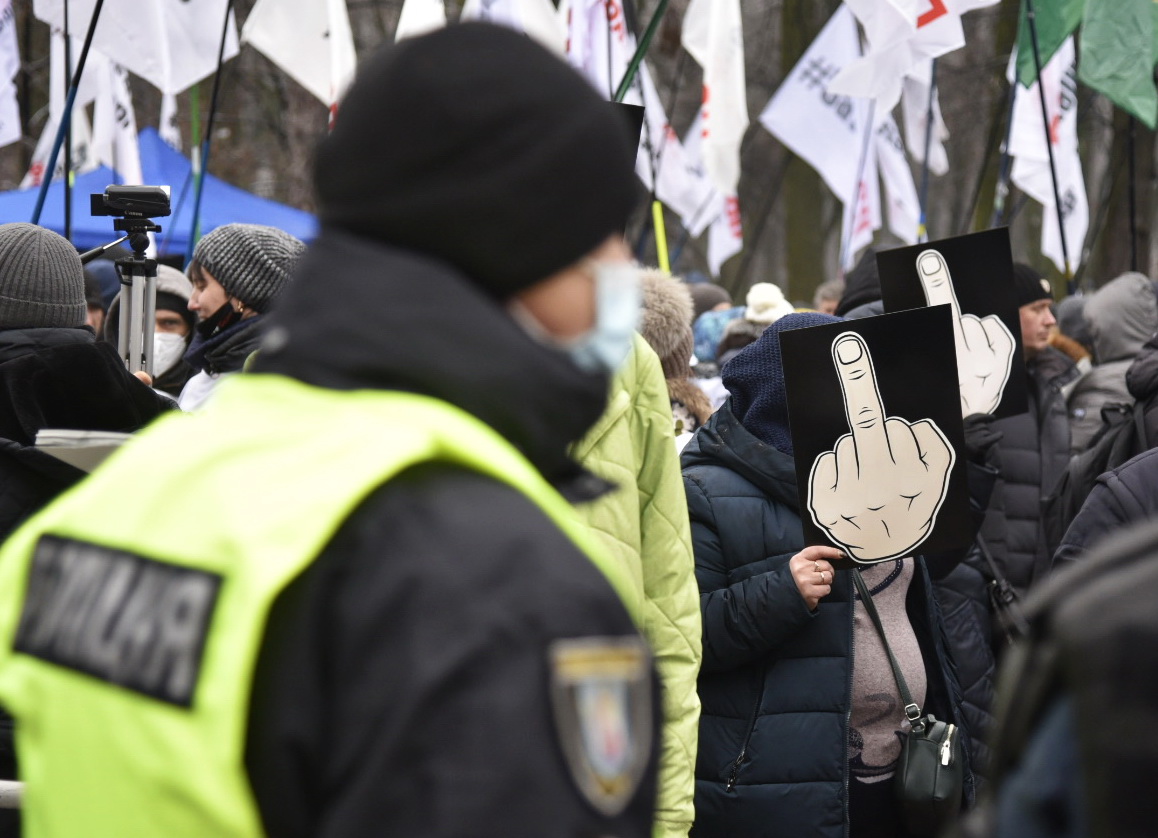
(1118, 54)
(1056, 21)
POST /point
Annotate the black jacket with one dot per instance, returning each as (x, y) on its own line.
(404, 684)
(1127, 495)
(776, 679)
(1032, 455)
(1142, 381)
(58, 378)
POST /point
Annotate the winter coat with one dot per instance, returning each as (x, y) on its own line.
(1127, 495)
(58, 378)
(170, 281)
(1121, 316)
(1032, 455)
(776, 678)
(644, 524)
(221, 354)
(404, 684)
(1142, 381)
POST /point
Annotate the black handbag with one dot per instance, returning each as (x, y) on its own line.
(931, 771)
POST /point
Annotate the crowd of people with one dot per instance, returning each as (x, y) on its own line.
(458, 522)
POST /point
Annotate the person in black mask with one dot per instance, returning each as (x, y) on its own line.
(237, 271)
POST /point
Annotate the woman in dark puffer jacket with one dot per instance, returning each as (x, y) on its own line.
(798, 734)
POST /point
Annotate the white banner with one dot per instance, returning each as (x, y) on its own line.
(419, 17)
(10, 129)
(1027, 146)
(713, 35)
(308, 39)
(172, 44)
(600, 45)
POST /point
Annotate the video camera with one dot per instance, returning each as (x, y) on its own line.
(133, 209)
(132, 202)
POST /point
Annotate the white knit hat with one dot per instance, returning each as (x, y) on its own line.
(766, 304)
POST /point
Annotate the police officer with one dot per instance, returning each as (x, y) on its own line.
(355, 601)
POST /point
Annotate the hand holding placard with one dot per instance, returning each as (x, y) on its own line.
(877, 493)
(984, 345)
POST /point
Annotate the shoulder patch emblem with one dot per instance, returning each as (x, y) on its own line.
(601, 692)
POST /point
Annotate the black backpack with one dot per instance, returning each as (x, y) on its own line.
(1121, 437)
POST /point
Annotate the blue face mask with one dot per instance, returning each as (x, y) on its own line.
(606, 346)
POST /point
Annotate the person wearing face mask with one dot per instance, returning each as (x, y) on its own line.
(388, 620)
(172, 330)
(237, 271)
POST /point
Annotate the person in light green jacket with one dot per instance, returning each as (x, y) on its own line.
(643, 523)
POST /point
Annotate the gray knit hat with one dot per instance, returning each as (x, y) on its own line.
(251, 261)
(41, 279)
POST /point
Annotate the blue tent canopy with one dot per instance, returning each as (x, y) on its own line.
(161, 165)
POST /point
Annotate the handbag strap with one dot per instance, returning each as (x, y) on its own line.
(912, 711)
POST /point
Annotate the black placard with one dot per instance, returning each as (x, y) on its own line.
(980, 266)
(878, 490)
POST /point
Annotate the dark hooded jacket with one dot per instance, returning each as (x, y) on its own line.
(776, 678)
(1033, 452)
(58, 378)
(1121, 316)
(395, 669)
(1142, 381)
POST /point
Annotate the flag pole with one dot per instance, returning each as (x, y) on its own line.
(1133, 192)
(66, 118)
(923, 224)
(640, 51)
(1032, 20)
(198, 191)
(68, 131)
(1001, 192)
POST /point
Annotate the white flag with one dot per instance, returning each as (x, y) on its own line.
(10, 130)
(726, 236)
(862, 216)
(167, 127)
(9, 48)
(115, 122)
(896, 49)
(826, 130)
(600, 45)
(712, 210)
(310, 40)
(82, 158)
(537, 18)
(172, 44)
(1027, 146)
(915, 107)
(904, 207)
(419, 17)
(713, 35)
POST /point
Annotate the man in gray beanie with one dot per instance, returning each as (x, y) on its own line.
(237, 271)
(53, 374)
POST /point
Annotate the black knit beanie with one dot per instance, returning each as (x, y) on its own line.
(755, 380)
(1029, 285)
(252, 262)
(41, 279)
(861, 285)
(477, 146)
